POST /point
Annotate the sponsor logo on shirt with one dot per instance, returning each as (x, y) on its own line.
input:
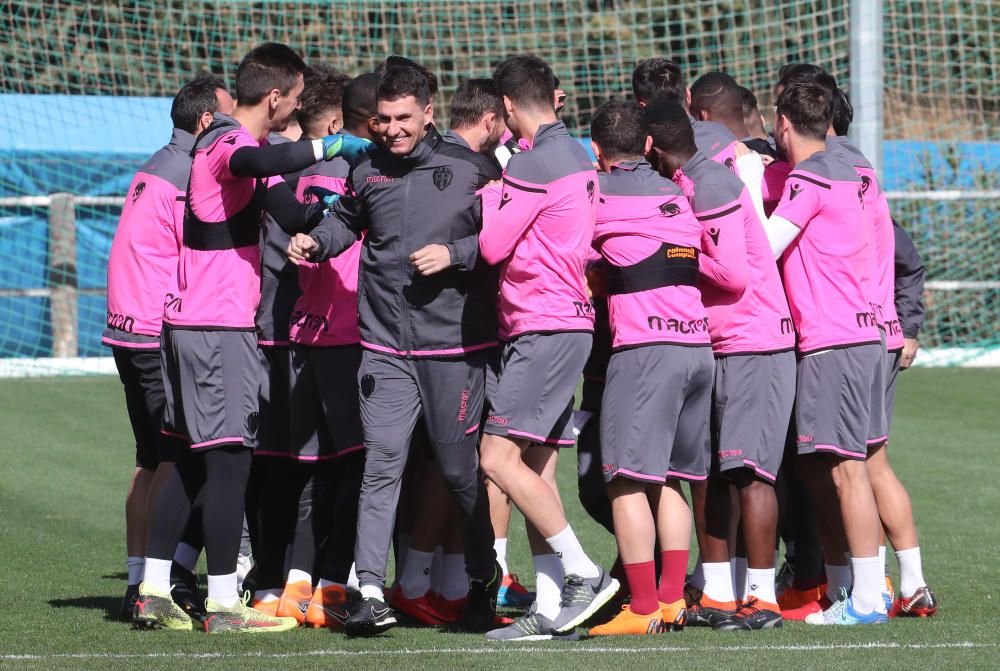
(893, 327)
(670, 209)
(309, 321)
(796, 189)
(865, 319)
(171, 302)
(379, 179)
(714, 234)
(120, 322)
(583, 309)
(786, 325)
(678, 325)
(504, 199)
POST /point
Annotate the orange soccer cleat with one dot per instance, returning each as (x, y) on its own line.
(628, 623)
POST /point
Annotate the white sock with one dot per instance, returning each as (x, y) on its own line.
(415, 581)
(836, 577)
(500, 547)
(295, 575)
(372, 592)
(437, 569)
(697, 577)
(911, 571)
(352, 578)
(881, 559)
(548, 584)
(156, 574)
(135, 566)
(266, 595)
(740, 578)
(869, 583)
(187, 556)
(718, 581)
(760, 583)
(222, 589)
(455, 581)
(574, 560)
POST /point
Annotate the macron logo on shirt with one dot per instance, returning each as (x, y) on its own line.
(379, 179)
(796, 189)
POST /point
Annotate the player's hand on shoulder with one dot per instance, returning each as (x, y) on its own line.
(301, 247)
(431, 259)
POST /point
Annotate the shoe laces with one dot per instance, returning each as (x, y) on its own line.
(748, 607)
(573, 591)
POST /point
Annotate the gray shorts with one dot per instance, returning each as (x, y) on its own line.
(534, 397)
(325, 414)
(832, 397)
(751, 407)
(878, 423)
(272, 429)
(211, 380)
(655, 414)
(892, 374)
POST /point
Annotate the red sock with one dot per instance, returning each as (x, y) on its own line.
(673, 567)
(642, 581)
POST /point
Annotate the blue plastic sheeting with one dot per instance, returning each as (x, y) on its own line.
(92, 145)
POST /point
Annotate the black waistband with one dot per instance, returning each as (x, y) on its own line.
(669, 266)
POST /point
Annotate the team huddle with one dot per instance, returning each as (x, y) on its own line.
(342, 333)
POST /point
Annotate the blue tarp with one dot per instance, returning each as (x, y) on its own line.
(92, 145)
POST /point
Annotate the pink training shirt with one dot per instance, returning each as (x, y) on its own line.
(326, 314)
(642, 215)
(756, 320)
(539, 225)
(827, 269)
(146, 246)
(883, 290)
(219, 288)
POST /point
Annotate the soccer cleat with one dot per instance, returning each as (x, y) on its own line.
(128, 603)
(923, 603)
(242, 619)
(842, 613)
(709, 612)
(752, 615)
(184, 590)
(420, 608)
(448, 611)
(692, 594)
(792, 598)
(629, 623)
(372, 617)
(512, 593)
(294, 601)
(269, 607)
(582, 597)
(328, 607)
(156, 610)
(481, 604)
(529, 627)
(805, 610)
(675, 615)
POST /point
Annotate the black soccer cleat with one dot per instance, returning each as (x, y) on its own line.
(751, 616)
(371, 618)
(481, 607)
(184, 590)
(706, 616)
(128, 603)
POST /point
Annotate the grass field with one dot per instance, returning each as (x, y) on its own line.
(66, 461)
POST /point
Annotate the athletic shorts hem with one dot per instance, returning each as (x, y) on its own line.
(506, 432)
(237, 441)
(750, 464)
(633, 475)
(179, 436)
(877, 442)
(309, 458)
(677, 475)
(832, 449)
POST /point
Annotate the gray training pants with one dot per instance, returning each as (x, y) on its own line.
(448, 394)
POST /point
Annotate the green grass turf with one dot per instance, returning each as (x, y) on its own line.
(66, 462)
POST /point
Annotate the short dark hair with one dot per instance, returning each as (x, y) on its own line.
(619, 129)
(719, 94)
(526, 80)
(194, 99)
(358, 104)
(808, 107)
(843, 112)
(749, 102)
(267, 67)
(403, 61)
(473, 100)
(669, 126)
(658, 77)
(400, 81)
(324, 90)
(795, 73)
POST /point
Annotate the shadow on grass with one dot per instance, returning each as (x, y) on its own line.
(109, 605)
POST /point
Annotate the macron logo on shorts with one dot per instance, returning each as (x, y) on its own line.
(500, 421)
(463, 405)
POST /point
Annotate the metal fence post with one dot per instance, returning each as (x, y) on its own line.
(867, 78)
(62, 275)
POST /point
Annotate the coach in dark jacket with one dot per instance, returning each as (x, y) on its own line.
(427, 318)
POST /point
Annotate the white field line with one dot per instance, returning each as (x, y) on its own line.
(507, 649)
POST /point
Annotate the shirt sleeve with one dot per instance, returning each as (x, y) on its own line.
(340, 229)
(508, 212)
(909, 289)
(723, 259)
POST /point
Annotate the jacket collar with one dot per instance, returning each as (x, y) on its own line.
(452, 136)
(548, 132)
(183, 140)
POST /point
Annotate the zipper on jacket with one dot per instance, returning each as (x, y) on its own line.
(404, 325)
